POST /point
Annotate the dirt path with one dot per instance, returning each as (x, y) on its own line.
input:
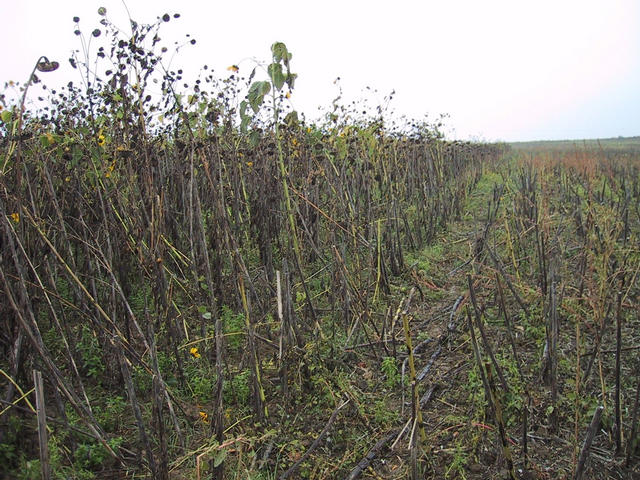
(444, 360)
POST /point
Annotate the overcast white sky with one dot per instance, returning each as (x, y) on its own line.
(502, 69)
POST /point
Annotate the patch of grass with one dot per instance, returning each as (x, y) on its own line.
(236, 391)
(457, 466)
(234, 327)
(425, 259)
(91, 353)
(383, 414)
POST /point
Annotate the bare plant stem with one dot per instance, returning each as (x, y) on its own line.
(260, 406)
(618, 415)
(45, 466)
(485, 340)
(479, 363)
(632, 441)
(135, 406)
(591, 433)
(412, 367)
(506, 451)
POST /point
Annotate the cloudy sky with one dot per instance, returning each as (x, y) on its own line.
(501, 69)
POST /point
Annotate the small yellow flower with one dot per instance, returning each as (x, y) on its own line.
(194, 352)
(288, 95)
(111, 168)
(15, 217)
(233, 68)
(204, 416)
(249, 164)
(101, 140)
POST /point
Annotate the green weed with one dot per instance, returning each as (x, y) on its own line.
(389, 368)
